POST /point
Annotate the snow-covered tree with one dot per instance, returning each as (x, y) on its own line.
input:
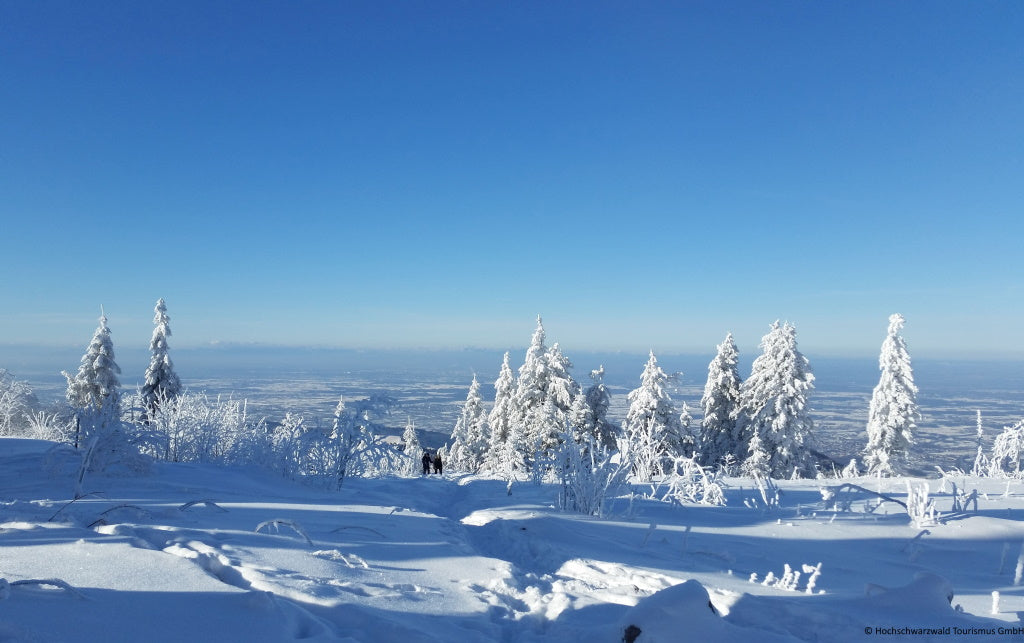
(721, 402)
(598, 401)
(893, 414)
(357, 441)
(774, 417)
(161, 382)
(544, 377)
(96, 380)
(532, 383)
(559, 393)
(981, 462)
(411, 449)
(17, 402)
(504, 439)
(1008, 451)
(652, 425)
(469, 437)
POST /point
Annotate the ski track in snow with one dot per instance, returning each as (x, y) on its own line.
(177, 555)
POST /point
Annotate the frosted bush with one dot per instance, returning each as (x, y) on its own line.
(920, 507)
(1006, 452)
(193, 428)
(588, 473)
(17, 402)
(49, 425)
(688, 481)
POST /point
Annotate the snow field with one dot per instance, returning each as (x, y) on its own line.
(194, 552)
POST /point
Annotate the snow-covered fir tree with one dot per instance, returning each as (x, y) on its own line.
(469, 437)
(94, 393)
(96, 383)
(893, 413)
(531, 395)
(981, 462)
(775, 420)
(161, 382)
(531, 385)
(504, 437)
(411, 449)
(544, 377)
(560, 392)
(720, 403)
(598, 401)
(652, 426)
(581, 420)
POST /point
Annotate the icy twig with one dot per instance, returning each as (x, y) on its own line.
(72, 501)
(344, 527)
(916, 539)
(277, 522)
(848, 486)
(209, 503)
(103, 521)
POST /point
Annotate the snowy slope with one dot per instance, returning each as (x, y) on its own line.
(193, 552)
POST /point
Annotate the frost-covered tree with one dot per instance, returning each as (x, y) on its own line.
(94, 393)
(775, 419)
(598, 401)
(532, 383)
(96, 380)
(1008, 451)
(652, 426)
(161, 382)
(531, 395)
(981, 462)
(893, 413)
(544, 377)
(17, 403)
(469, 437)
(720, 403)
(560, 392)
(501, 420)
(411, 449)
(356, 440)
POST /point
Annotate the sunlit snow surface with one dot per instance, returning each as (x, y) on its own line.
(190, 553)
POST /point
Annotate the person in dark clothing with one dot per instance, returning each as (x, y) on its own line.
(426, 462)
(437, 462)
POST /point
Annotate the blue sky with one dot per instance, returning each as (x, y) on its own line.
(435, 174)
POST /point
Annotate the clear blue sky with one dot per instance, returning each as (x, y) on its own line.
(392, 174)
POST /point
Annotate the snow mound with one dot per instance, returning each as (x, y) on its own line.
(684, 612)
(927, 594)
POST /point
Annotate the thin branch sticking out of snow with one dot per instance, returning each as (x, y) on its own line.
(209, 503)
(344, 527)
(277, 522)
(71, 502)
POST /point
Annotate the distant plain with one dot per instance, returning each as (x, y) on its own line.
(430, 386)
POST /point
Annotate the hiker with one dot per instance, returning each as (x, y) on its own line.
(437, 463)
(426, 463)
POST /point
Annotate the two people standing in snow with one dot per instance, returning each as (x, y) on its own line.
(427, 461)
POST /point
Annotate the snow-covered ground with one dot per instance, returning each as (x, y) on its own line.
(195, 552)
